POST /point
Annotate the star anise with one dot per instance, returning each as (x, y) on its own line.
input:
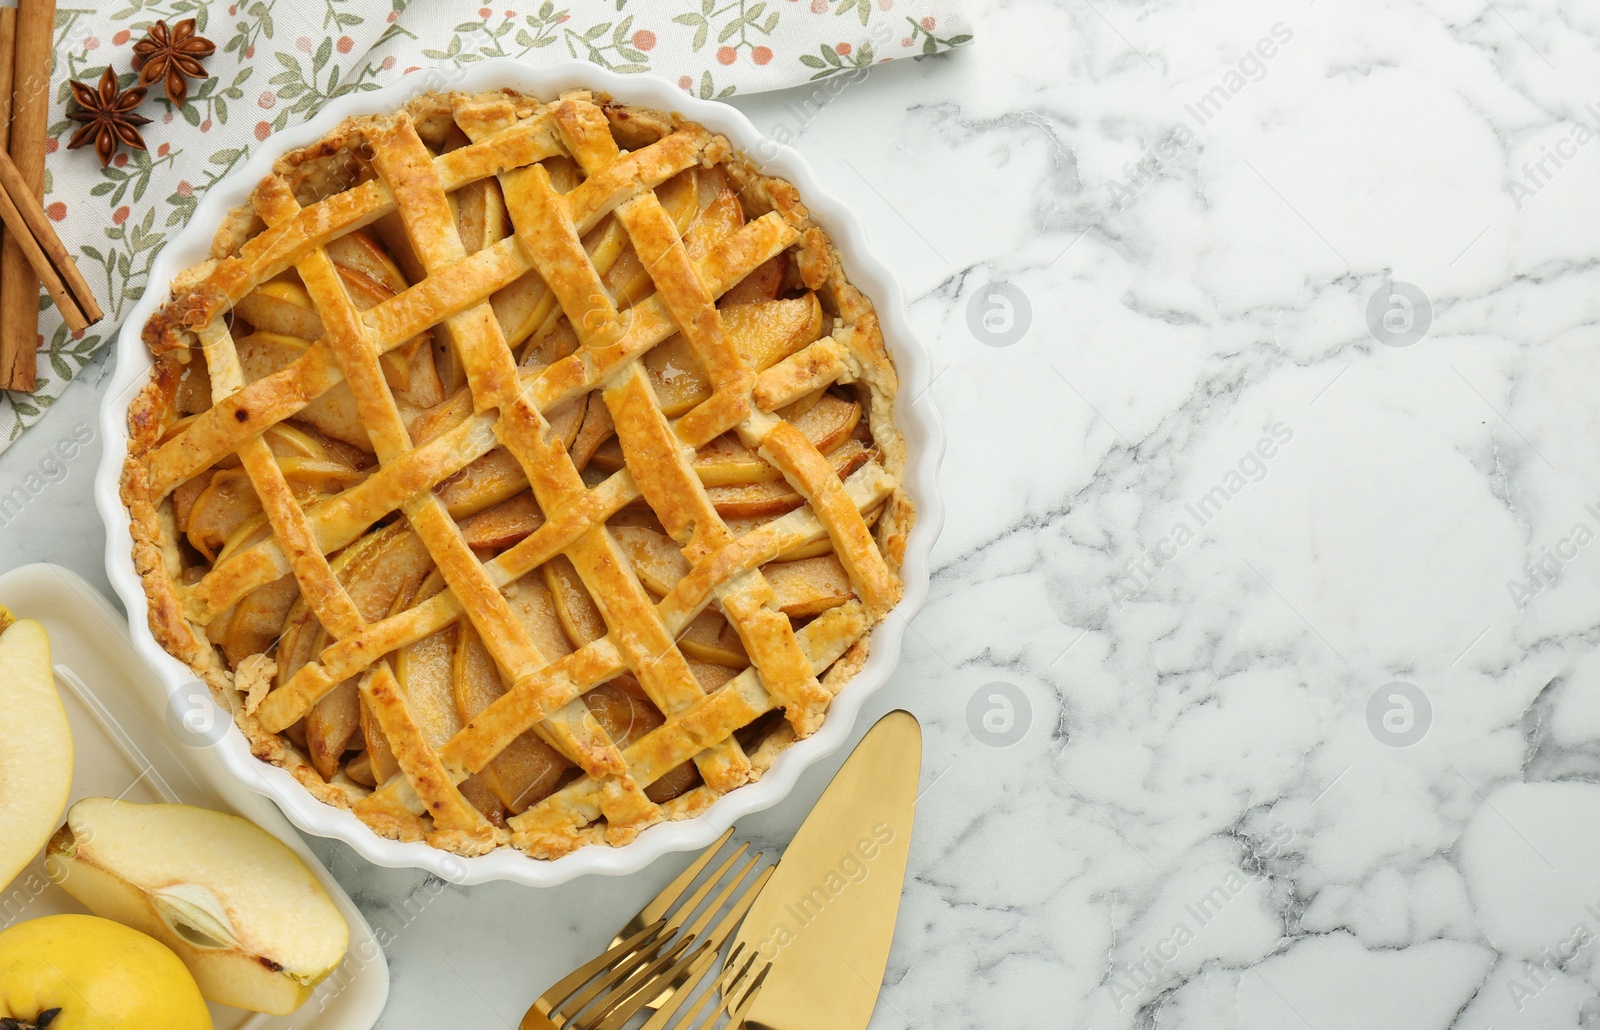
(108, 116)
(172, 55)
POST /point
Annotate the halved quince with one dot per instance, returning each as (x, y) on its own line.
(240, 909)
(35, 745)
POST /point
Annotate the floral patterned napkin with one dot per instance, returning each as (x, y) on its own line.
(277, 61)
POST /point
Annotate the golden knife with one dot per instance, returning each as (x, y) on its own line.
(826, 919)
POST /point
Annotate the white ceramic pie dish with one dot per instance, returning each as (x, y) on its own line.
(914, 414)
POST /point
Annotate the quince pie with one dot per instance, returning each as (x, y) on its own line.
(518, 473)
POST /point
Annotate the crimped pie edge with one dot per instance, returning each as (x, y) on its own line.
(154, 532)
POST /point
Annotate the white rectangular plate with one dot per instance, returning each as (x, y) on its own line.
(117, 707)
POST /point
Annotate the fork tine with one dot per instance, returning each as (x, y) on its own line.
(675, 978)
(730, 975)
(725, 983)
(735, 916)
(734, 971)
(614, 986)
(663, 902)
(562, 991)
(625, 970)
(641, 967)
(689, 1017)
(722, 898)
(736, 1017)
(703, 958)
(614, 1009)
(683, 911)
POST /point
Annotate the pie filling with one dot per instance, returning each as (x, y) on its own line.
(519, 473)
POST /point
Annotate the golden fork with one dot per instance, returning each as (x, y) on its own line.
(663, 902)
(645, 961)
(736, 978)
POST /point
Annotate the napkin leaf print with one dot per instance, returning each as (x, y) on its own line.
(543, 25)
(213, 99)
(304, 88)
(708, 89)
(932, 44)
(116, 219)
(743, 17)
(128, 256)
(836, 59)
(701, 22)
(136, 173)
(67, 355)
(621, 45)
(476, 40)
(860, 7)
(339, 19)
(24, 412)
(247, 33)
(179, 10)
(749, 17)
(186, 197)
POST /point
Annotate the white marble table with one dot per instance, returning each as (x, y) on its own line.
(1277, 518)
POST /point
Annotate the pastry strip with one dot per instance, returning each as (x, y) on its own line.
(359, 362)
(558, 276)
(492, 377)
(540, 215)
(664, 464)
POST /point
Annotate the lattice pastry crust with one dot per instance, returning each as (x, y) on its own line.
(519, 473)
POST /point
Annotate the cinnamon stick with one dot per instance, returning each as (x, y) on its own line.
(30, 124)
(37, 226)
(25, 222)
(8, 58)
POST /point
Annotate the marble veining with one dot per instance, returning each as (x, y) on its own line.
(1259, 677)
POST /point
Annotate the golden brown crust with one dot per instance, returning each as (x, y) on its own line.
(397, 169)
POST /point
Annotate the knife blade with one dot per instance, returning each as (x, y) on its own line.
(826, 919)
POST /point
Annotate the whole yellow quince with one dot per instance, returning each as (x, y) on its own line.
(72, 972)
